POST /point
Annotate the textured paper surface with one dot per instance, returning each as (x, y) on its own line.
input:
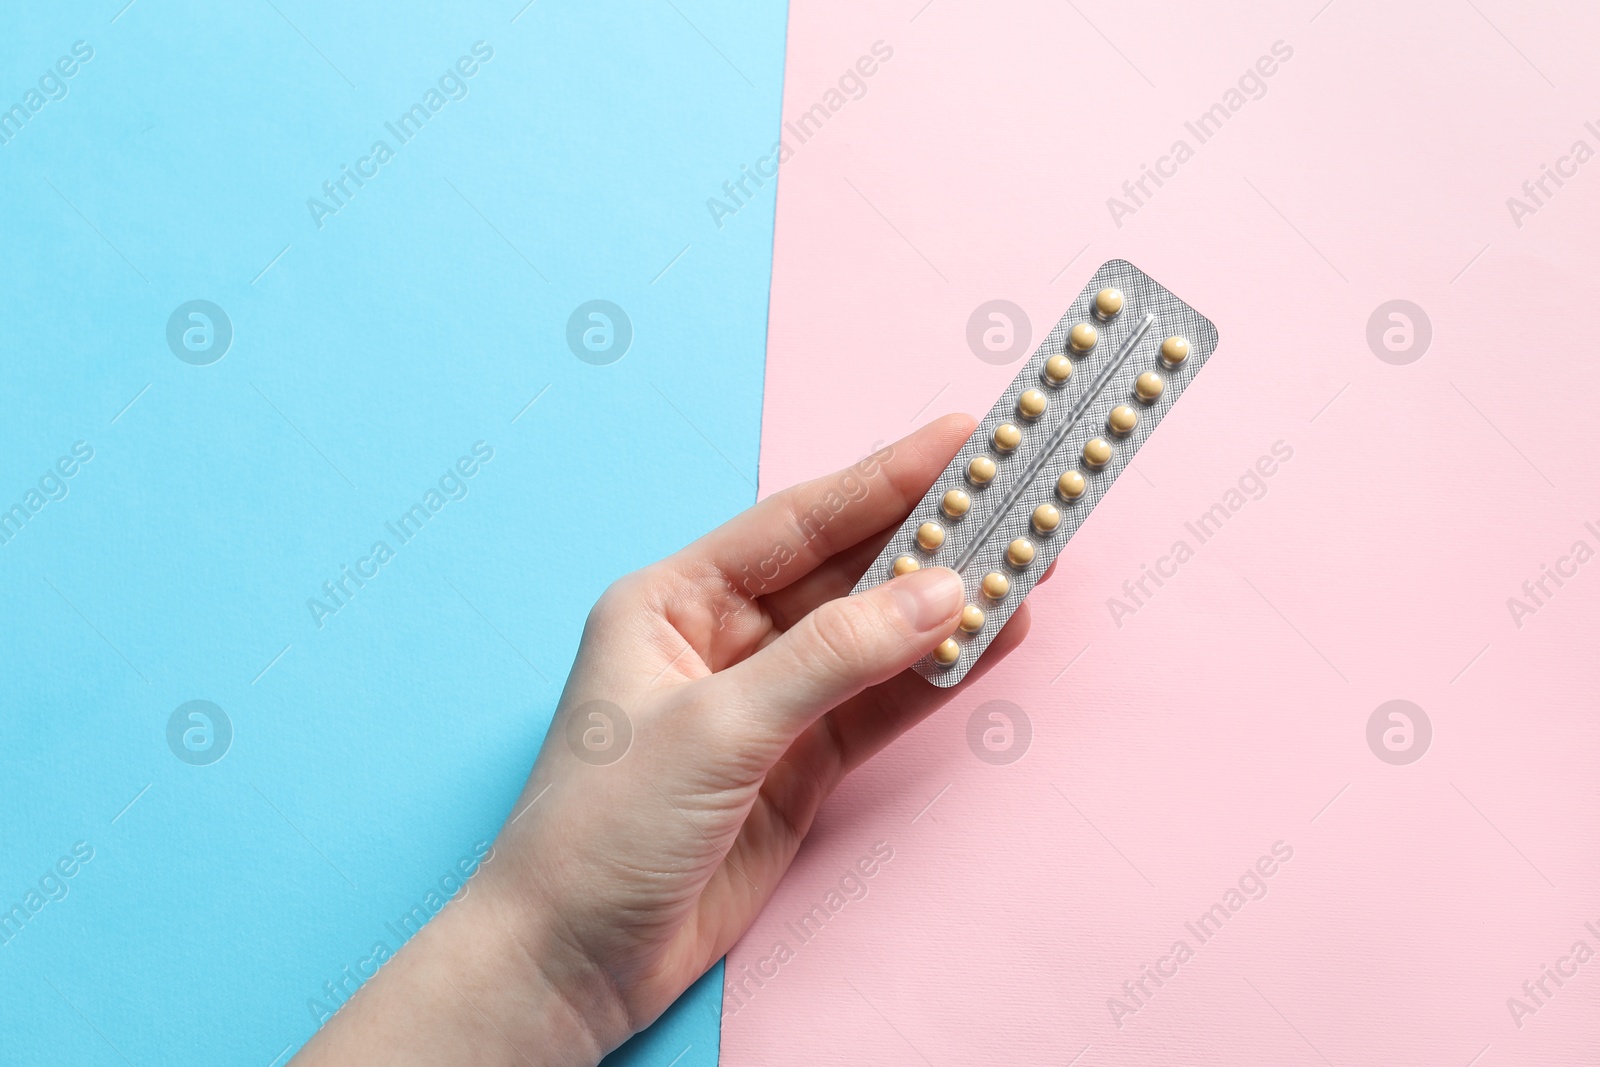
(370, 756)
(1229, 710)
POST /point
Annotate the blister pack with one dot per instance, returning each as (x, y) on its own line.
(1047, 453)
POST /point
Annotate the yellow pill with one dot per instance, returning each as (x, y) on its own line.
(930, 535)
(1030, 405)
(981, 470)
(972, 618)
(955, 504)
(1107, 302)
(1057, 369)
(996, 585)
(1122, 419)
(1019, 553)
(947, 652)
(1083, 337)
(1006, 437)
(1097, 453)
(1174, 350)
(1148, 387)
(1071, 485)
(1046, 517)
(905, 565)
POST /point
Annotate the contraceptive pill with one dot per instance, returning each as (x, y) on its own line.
(1020, 553)
(1174, 350)
(1107, 302)
(1147, 387)
(1108, 373)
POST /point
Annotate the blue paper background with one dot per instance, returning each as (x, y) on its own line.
(371, 754)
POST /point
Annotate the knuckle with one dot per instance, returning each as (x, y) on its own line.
(615, 603)
(841, 635)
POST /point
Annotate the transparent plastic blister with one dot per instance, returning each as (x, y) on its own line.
(978, 543)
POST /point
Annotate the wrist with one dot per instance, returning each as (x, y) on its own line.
(483, 983)
(537, 948)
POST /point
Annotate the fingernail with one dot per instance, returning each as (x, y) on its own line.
(927, 599)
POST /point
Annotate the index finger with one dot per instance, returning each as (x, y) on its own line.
(789, 534)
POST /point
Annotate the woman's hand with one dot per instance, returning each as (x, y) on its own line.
(718, 697)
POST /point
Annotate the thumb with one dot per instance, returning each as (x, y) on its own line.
(847, 645)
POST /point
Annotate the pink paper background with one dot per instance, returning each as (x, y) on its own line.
(1229, 712)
